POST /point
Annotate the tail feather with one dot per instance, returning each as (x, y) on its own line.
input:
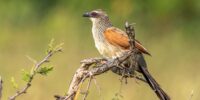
(154, 85)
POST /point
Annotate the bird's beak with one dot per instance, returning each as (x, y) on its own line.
(87, 14)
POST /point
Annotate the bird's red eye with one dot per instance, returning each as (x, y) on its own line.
(94, 14)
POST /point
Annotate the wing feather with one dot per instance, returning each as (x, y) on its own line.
(119, 38)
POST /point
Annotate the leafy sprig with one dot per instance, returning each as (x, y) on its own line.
(38, 68)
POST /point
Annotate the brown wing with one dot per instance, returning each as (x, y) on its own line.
(119, 38)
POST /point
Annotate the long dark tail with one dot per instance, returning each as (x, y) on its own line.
(154, 85)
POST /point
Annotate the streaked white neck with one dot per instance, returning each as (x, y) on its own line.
(98, 28)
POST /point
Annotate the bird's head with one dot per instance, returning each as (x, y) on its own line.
(96, 15)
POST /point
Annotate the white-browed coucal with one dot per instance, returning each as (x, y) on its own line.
(112, 42)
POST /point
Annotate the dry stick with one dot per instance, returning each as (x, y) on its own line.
(123, 71)
(131, 35)
(87, 89)
(97, 86)
(1, 87)
(83, 72)
(191, 95)
(77, 79)
(120, 88)
(141, 79)
(130, 31)
(37, 65)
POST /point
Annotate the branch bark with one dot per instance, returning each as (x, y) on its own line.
(100, 66)
(83, 72)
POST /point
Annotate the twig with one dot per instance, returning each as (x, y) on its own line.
(67, 97)
(191, 95)
(97, 86)
(127, 72)
(131, 34)
(37, 66)
(1, 87)
(87, 89)
(84, 72)
(141, 79)
(120, 88)
(130, 31)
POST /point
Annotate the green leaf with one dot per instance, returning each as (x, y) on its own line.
(45, 70)
(14, 84)
(50, 46)
(59, 46)
(26, 75)
(51, 43)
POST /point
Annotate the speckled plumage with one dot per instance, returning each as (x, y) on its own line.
(106, 49)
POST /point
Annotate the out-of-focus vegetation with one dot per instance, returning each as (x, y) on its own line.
(168, 28)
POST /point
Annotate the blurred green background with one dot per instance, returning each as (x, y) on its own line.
(169, 29)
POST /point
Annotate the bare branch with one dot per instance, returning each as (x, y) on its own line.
(95, 66)
(84, 72)
(36, 67)
(97, 86)
(87, 89)
(131, 34)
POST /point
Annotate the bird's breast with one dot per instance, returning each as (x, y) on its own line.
(103, 46)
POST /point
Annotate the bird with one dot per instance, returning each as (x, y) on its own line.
(112, 42)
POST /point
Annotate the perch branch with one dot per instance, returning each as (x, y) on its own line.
(100, 66)
(83, 72)
(128, 72)
(36, 67)
(130, 31)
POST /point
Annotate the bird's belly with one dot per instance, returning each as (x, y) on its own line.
(109, 51)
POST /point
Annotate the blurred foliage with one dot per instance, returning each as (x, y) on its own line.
(26, 75)
(14, 84)
(45, 70)
(168, 28)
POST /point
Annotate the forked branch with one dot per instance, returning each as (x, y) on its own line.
(93, 67)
